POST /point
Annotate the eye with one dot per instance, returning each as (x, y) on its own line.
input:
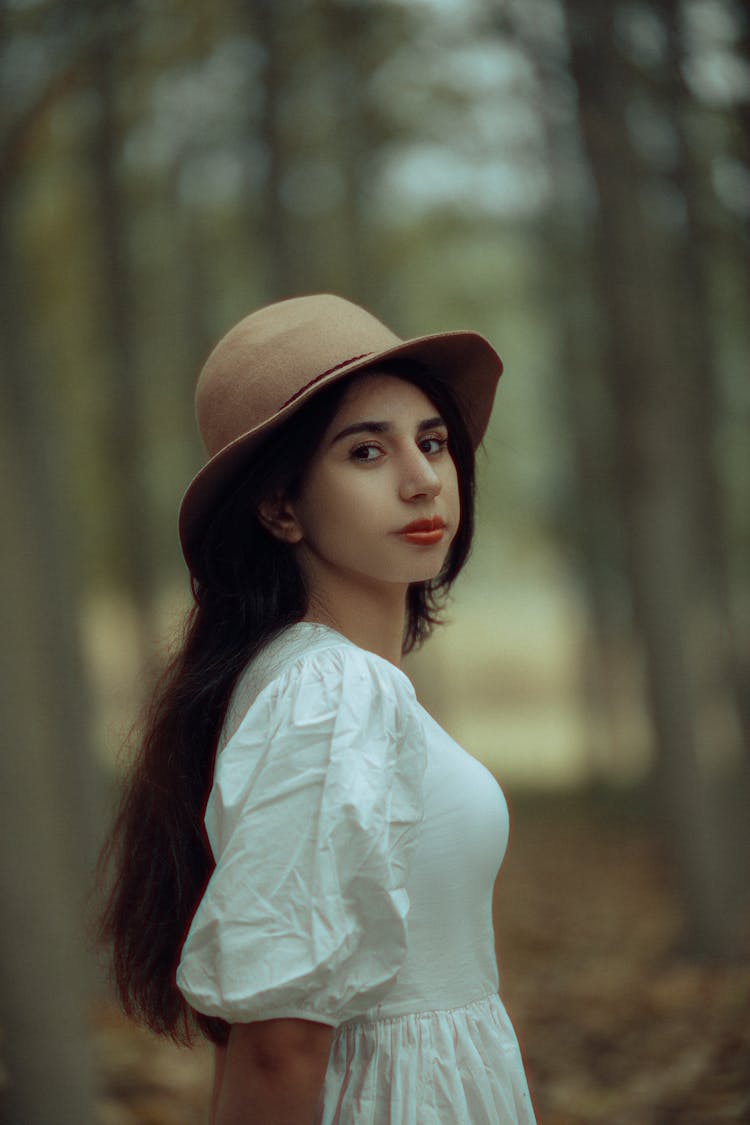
(433, 444)
(368, 451)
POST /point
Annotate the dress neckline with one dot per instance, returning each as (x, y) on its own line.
(318, 626)
(328, 631)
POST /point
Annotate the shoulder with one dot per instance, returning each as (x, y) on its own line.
(336, 666)
(308, 648)
(319, 711)
(312, 667)
(333, 720)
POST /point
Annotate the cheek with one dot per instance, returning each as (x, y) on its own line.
(327, 507)
(451, 491)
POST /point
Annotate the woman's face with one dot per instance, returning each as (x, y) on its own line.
(380, 501)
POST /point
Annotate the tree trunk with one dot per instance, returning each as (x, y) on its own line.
(660, 372)
(130, 495)
(47, 797)
(591, 527)
(267, 20)
(345, 59)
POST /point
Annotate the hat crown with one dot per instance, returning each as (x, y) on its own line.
(273, 355)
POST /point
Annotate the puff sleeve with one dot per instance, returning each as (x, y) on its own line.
(312, 814)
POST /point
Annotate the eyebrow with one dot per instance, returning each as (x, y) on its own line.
(383, 428)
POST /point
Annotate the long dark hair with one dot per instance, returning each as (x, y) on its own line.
(250, 588)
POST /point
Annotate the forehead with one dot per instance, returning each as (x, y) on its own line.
(383, 398)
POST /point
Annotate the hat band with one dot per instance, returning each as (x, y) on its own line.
(336, 366)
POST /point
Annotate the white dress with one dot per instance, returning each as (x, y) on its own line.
(356, 848)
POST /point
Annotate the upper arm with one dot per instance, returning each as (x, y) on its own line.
(271, 1045)
(220, 1058)
(271, 1070)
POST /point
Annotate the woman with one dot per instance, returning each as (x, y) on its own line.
(304, 859)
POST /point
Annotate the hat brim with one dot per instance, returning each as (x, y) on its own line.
(464, 360)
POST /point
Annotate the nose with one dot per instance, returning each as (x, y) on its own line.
(419, 480)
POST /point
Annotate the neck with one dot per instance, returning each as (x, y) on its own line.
(372, 618)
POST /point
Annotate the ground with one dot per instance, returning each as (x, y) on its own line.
(617, 1025)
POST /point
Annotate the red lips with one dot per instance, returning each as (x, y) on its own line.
(425, 532)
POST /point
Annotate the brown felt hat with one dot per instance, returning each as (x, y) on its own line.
(275, 359)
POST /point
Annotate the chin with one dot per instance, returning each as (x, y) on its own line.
(429, 574)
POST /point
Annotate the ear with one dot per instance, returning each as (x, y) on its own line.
(277, 515)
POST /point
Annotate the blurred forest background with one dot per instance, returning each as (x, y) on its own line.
(572, 179)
